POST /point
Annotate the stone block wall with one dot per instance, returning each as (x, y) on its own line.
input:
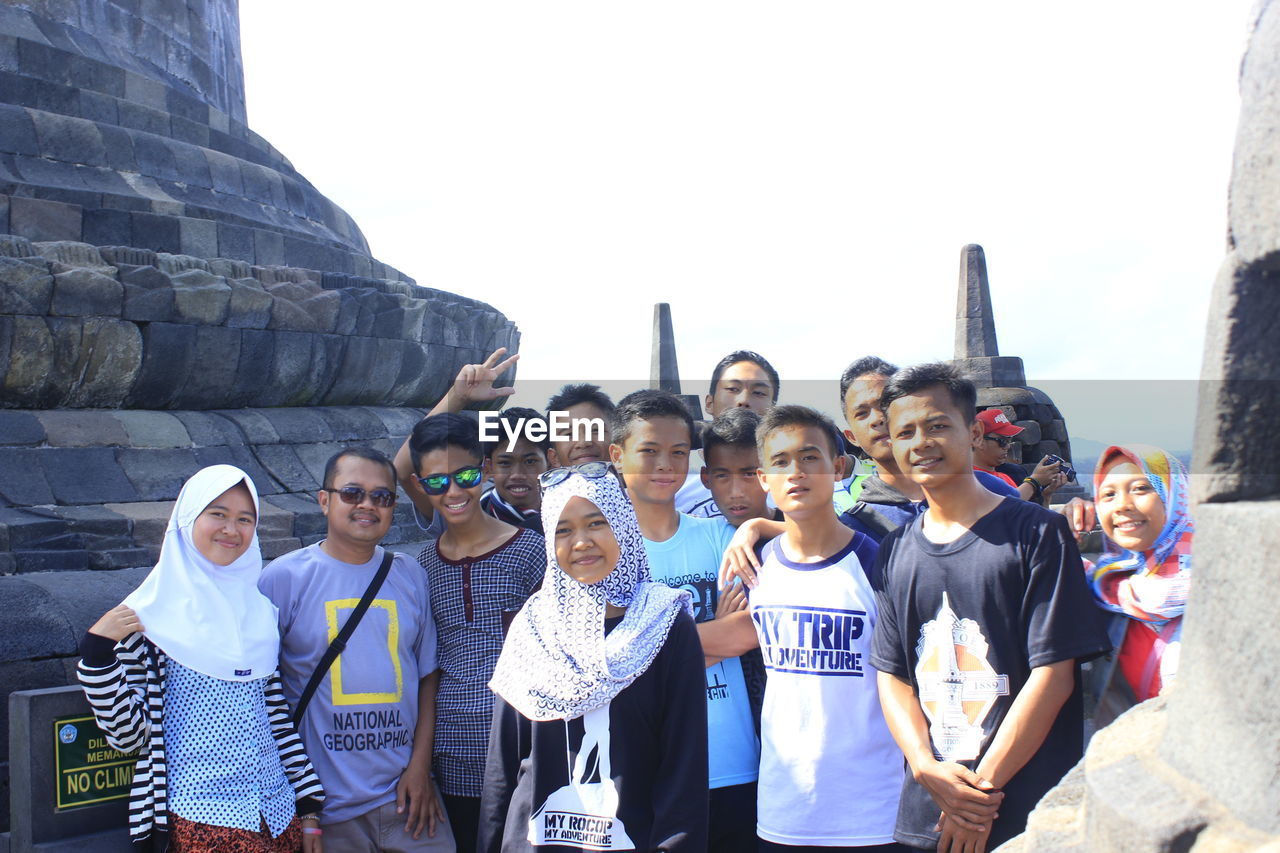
(110, 327)
(1043, 429)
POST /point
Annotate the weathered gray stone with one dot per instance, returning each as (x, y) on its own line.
(283, 464)
(157, 475)
(26, 286)
(83, 429)
(153, 429)
(38, 219)
(1030, 432)
(98, 358)
(250, 306)
(13, 246)
(242, 458)
(148, 294)
(28, 379)
(86, 293)
(214, 360)
(166, 362)
(200, 297)
(20, 428)
(22, 480)
(86, 475)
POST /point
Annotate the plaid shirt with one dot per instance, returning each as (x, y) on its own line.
(468, 598)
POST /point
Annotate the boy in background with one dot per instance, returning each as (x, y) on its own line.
(515, 497)
(586, 405)
(729, 473)
(652, 438)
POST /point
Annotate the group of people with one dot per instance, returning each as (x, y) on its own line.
(760, 632)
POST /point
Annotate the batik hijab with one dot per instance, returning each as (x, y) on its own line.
(207, 617)
(557, 662)
(1150, 586)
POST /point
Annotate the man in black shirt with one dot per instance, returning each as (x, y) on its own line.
(984, 619)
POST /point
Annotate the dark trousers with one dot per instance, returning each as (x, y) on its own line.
(732, 828)
(770, 847)
(464, 817)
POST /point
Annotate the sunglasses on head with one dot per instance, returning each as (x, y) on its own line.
(1002, 440)
(590, 470)
(438, 484)
(355, 495)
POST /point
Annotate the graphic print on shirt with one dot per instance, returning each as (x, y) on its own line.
(584, 813)
(958, 687)
(336, 614)
(702, 589)
(811, 640)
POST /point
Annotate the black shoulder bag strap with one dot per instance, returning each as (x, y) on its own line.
(340, 642)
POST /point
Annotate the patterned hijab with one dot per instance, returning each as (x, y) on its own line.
(557, 662)
(1150, 586)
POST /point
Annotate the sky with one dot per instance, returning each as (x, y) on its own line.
(797, 178)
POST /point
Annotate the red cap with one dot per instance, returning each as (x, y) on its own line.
(994, 420)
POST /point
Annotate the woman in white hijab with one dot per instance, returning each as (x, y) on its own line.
(599, 728)
(184, 670)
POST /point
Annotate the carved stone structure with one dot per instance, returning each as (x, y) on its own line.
(1001, 380)
(1196, 770)
(174, 294)
(664, 372)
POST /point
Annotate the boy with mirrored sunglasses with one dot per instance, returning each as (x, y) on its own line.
(480, 571)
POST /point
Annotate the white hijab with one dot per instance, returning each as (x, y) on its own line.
(207, 617)
(557, 663)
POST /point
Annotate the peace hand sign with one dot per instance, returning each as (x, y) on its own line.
(474, 383)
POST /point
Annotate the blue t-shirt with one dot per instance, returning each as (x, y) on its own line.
(690, 560)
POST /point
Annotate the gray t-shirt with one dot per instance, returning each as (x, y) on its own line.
(358, 729)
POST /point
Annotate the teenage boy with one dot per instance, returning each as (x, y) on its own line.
(729, 451)
(984, 619)
(830, 771)
(652, 437)
(473, 385)
(991, 455)
(590, 411)
(479, 569)
(741, 380)
(370, 725)
(515, 497)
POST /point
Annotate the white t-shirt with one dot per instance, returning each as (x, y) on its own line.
(830, 772)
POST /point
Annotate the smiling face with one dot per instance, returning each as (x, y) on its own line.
(932, 443)
(654, 460)
(867, 425)
(456, 505)
(586, 447)
(799, 470)
(730, 475)
(224, 530)
(1129, 509)
(586, 548)
(744, 384)
(515, 474)
(360, 525)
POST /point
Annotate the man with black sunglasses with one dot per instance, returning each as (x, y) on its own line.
(480, 570)
(991, 454)
(369, 726)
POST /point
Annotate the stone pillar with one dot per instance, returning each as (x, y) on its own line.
(664, 373)
(976, 350)
(1197, 768)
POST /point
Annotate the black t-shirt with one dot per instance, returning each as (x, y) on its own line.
(966, 622)
(639, 774)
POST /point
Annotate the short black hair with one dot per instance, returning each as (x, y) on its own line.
(447, 429)
(909, 380)
(745, 355)
(733, 428)
(867, 365)
(645, 405)
(360, 451)
(583, 392)
(517, 417)
(780, 417)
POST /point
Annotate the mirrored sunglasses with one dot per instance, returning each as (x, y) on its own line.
(590, 470)
(355, 495)
(438, 484)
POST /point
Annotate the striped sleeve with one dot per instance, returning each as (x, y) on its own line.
(293, 757)
(118, 706)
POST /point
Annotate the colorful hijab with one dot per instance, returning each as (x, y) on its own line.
(557, 662)
(1150, 586)
(207, 617)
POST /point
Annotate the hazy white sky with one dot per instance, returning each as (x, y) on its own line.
(796, 178)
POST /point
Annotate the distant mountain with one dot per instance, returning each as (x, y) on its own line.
(1085, 453)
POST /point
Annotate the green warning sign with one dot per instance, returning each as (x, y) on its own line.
(89, 770)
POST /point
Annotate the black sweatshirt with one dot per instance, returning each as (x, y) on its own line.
(657, 747)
